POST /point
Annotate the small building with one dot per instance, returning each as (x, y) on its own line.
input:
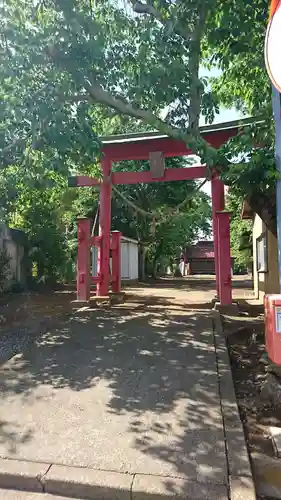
(129, 259)
(265, 255)
(200, 258)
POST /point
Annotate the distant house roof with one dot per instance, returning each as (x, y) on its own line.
(202, 250)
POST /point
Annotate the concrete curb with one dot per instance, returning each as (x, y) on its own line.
(267, 474)
(241, 485)
(92, 484)
(22, 475)
(88, 483)
(27, 495)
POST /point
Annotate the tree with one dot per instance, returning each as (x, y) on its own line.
(35, 205)
(37, 123)
(146, 61)
(235, 43)
(241, 240)
(68, 66)
(38, 201)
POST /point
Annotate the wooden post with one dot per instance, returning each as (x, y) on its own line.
(224, 258)
(83, 259)
(217, 206)
(116, 261)
(104, 229)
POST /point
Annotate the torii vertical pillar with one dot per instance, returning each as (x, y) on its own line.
(104, 229)
(224, 258)
(218, 205)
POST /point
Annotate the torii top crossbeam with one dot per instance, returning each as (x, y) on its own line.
(139, 146)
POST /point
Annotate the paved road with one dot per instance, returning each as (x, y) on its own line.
(132, 389)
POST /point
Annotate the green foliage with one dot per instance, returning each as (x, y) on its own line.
(240, 235)
(234, 42)
(47, 243)
(73, 70)
(37, 211)
(61, 59)
(35, 116)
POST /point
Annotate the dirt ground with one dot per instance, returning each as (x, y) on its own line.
(16, 309)
(246, 348)
(194, 291)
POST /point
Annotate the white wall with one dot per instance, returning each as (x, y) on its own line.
(129, 259)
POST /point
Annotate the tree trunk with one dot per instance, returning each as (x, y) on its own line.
(265, 206)
(195, 87)
(154, 269)
(40, 269)
(142, 256)
(177, 273)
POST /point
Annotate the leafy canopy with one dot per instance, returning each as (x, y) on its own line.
(61, 59)
(72, 70)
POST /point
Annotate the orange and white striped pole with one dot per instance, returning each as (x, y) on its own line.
(273, 66)
(273, 7)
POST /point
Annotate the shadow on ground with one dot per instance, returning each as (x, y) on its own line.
(160, 302)
(131, 388)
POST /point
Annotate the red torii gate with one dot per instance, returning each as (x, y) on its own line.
(140, 147)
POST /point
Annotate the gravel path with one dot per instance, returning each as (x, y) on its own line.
(15, 340)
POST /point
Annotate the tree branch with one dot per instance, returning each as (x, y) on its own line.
(145, 8)
(194, 38)
(137, 209)
(74, 98)
(97, 94)
(193, 65)
(196, 143)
